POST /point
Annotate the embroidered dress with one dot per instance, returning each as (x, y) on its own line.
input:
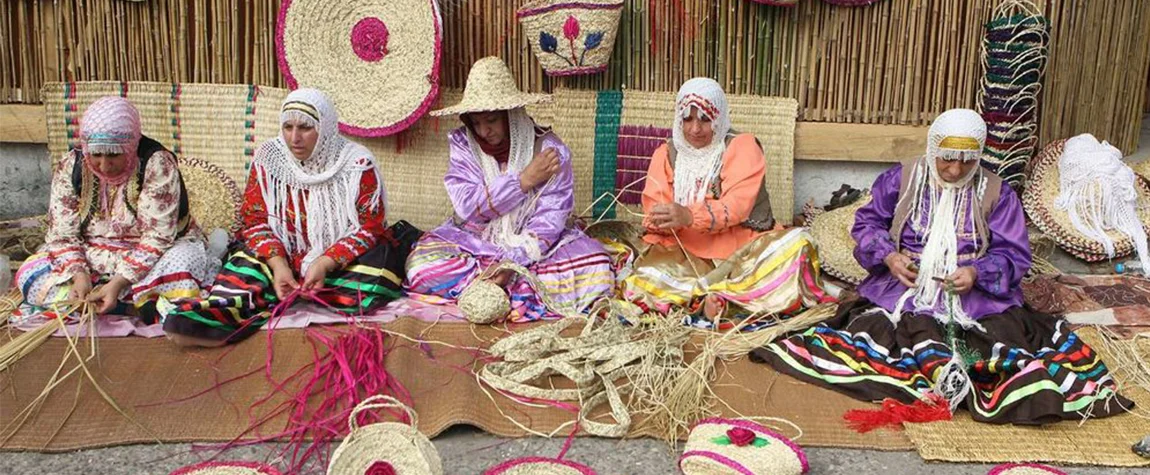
(133, 225)
(983, 350)
(331, 204)
(496, 221)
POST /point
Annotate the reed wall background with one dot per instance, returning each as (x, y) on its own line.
(893, 62)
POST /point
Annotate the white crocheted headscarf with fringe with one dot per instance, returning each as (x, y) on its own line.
(1100, 193)
(956, 135)
(327, 182)
(697, 168)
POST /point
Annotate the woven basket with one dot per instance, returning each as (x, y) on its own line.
(1024, 469)
(213, 198)
(571, 37)
(1038, 200)
(731, 446)
(227, 468)
(386, 444)
(831, 231)
(539, 466)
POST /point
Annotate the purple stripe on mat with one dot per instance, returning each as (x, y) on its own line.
(636, 144)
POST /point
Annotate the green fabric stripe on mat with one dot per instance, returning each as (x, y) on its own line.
(608, 112)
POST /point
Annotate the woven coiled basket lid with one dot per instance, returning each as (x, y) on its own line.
(1043, 188)
(377, 59)
(213, 198)
(401, 446)
(1024, 469)
(832, 233)
(227, 468)
(539, 466)
(709, 451)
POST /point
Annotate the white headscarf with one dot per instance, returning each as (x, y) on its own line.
(330, 177)
(1100, 193)
(507, 231)
(957, 134)
(695, 168)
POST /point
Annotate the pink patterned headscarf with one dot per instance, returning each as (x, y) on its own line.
(111, 125)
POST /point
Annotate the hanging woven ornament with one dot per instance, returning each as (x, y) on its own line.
(733, 446)
(377, 59)
(1013, 61)
(571, 37)
(384, 448)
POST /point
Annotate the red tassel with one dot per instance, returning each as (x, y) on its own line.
(894, 414)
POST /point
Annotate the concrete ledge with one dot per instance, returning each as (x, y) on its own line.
(824, 141)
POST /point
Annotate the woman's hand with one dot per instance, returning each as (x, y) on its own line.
(318, 271)
(81, 286)
(283, 278)
(543, 166)
(670, 216)
(106, 296)
(901, 267)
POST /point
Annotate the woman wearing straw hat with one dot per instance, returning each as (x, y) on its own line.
(512, 187)
(941, 318)
(314, 227)
(708, 220)
(118, 217)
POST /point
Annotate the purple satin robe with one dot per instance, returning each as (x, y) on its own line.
(1000, 271)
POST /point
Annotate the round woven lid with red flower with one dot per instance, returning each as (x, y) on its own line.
(377, 59)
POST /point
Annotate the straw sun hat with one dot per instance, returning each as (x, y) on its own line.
(490, 87)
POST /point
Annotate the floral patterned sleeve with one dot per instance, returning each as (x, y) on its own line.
(256, 234)
(64, 244)
(371, 219)
(158, 215)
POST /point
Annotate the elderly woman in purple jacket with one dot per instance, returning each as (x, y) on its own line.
(512, 189)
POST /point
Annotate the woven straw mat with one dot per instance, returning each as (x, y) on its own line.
(378, 60)
(1102, 442)
(1038, 200)
(831, 231)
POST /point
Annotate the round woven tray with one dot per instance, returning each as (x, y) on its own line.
(539, 466)
(1038, 200)
(213, 198)
(377, 59)
(710, 450)
(831, 231)
(399, 446)
(227, 468)
(1024, 469)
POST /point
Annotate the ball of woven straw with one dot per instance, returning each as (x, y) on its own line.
(484, 302)
(539, 466)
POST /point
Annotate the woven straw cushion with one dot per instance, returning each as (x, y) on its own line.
(399, 445)
(831, 231)
(227, 468)
(1038, 201)
(213, 197)
(539, 466)
(714, 447)
(1024, 469)
(377, 59)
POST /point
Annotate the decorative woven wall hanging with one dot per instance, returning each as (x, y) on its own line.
(571, 37)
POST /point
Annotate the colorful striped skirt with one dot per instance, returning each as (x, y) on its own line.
(776, 274)
(243, 297)
(575, 275)
(177, 276)
(1030, 368)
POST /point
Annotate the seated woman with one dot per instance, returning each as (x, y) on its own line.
(512, 187)
(941, 314)
(118, 219)
(707, 217)
(313, 219)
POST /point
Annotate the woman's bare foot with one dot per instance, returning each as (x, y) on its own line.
(191, 341)
(713, 307)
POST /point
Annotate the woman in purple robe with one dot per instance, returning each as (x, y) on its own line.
(512, 187)
(941, 318)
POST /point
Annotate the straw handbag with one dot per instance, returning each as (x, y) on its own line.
(385, 447)
(732, 446)
(571, 37)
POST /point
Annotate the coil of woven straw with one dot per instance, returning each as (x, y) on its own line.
(377, 59)
(213, 198)
(571, 37)
(539, 466)
(733, 446)
(1024, 469)
(484, 302)
(1043, 188)
(383, 445)
(831, 231)
(227, 468)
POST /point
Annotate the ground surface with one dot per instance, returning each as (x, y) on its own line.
(468, 451)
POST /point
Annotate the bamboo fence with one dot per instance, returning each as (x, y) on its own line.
(893, 62)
